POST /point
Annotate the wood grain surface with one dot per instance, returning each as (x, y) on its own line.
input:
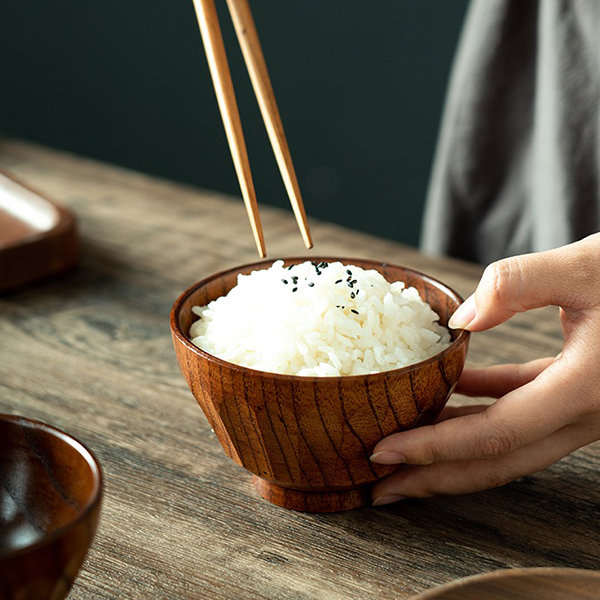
(91, 353)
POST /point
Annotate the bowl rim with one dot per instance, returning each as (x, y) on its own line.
(97, 476)
(177, 332)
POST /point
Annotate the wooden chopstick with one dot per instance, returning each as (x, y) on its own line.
(247, 35)
(221, 76)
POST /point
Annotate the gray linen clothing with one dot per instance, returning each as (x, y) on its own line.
(517, 167)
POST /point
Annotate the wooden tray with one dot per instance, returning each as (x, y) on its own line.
(38, 239)
(522, 584)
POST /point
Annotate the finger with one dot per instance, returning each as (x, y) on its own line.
(451, 412)
(498, 380)
(564, 277)
(462, 477)
(521, 417)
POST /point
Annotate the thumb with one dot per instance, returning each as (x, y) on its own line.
(565, 277)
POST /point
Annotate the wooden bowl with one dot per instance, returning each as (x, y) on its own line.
(50, 496)
(538, 583)
(308, 439)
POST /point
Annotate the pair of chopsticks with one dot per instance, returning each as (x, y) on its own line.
(257, 68)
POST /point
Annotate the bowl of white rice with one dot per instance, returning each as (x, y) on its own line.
(302, 365)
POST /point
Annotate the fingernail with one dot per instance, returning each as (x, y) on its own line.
(464, 315)
(388, 457)
(381, 500)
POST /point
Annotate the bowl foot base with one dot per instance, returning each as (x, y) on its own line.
(312, 501)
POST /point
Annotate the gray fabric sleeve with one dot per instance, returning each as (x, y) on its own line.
(518, 157)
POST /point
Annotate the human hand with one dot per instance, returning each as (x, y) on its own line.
(544, 410)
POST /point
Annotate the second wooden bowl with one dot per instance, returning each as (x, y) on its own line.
(308, 440)
(50, 496)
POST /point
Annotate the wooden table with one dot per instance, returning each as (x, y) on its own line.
(91, 353)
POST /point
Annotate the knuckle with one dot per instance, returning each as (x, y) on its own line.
(429, 487)
(503, 280)
(495, 443)
(422, 482)
(435, 451)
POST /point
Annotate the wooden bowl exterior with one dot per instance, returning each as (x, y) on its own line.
(50, 491)
(313, 436)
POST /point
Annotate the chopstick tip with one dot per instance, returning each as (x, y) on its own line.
(306, 237)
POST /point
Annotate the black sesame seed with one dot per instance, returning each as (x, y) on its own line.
(311, 284)
(295, 279)
(350, 285)
(357, 292)
(284, 281)
(294, 289)
(354, 311)
(353, 281)
(348, 271)
(290, 267)
(352, 295)
(339, 281)
(324, 265)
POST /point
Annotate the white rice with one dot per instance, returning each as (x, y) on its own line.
(303, 321)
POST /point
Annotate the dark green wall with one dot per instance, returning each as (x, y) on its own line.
(360, 87)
